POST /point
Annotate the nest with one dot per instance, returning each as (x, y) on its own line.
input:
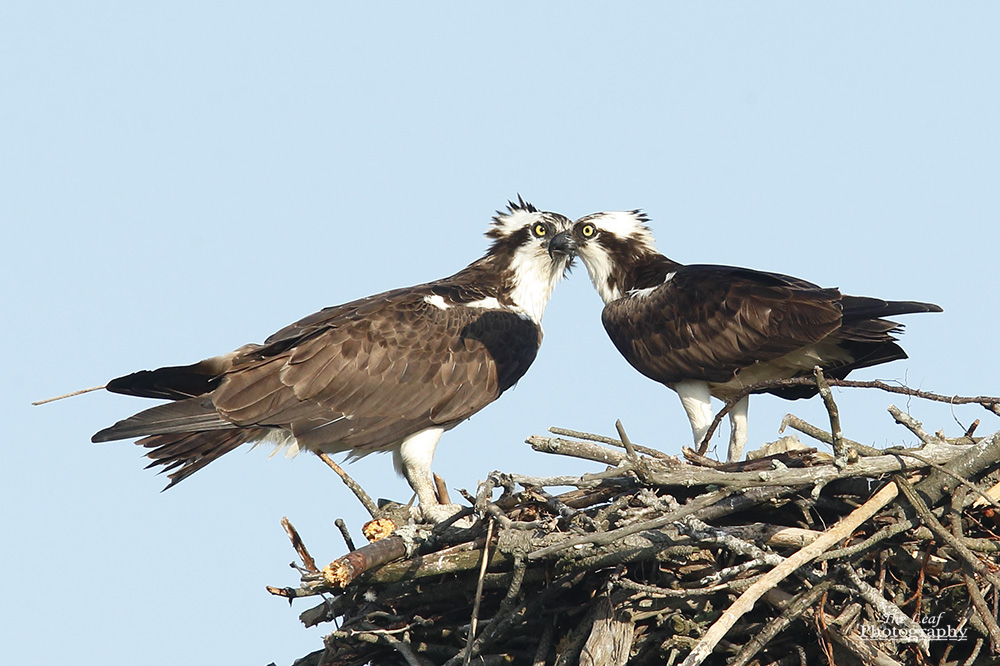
(797, 557)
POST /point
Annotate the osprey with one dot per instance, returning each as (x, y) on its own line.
(390, 372)
(705, 330)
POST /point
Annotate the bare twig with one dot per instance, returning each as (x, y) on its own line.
(989, 402)
(342, 526)
(629, 449)
(355, 487)
(405, 650)
(746, 601)
(912, 425)
(603, 439)
(690, 475)
(479, 594)
(68, 395)
(836, 434)
(806, 428)
(574, 449)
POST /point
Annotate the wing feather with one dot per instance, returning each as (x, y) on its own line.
(709, 322)
(360, 377)
(180, 416)
(381, 371)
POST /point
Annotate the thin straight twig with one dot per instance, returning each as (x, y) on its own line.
(629, 449)
(603, 439)
(836, 433)
(348, 541)
(479, 594)
(68, 395)
(355, 487)
(746, 601)
(667, 592)
(991, 403)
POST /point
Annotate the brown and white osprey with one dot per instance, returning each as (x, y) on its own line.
(390, 372)
(705, 330)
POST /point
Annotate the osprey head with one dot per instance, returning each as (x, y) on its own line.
(610, 245)
(522, 251)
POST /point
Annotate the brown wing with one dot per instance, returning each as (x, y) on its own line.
(375, 373)
(708, 322)
(357, 376)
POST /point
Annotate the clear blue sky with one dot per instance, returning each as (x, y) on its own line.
(181, 179)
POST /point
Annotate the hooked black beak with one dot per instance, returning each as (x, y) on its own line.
(562, 243)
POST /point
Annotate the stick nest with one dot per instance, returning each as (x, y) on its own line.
(797, 557)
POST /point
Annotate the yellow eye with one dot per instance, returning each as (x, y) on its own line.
(540, 230)
(588, 230)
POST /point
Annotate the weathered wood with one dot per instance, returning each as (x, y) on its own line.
(746, 601)
(657, 561)
(688, 476)
(610, 639)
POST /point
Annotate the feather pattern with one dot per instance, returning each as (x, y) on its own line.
(707, 330)
(709, 322)
(366, 375)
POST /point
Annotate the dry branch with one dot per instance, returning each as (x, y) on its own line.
(654, 560)
(989, 402)
(840, 531)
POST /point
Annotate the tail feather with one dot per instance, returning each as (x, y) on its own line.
(188, 452)
(172, 383)
(178, 382)
(183, 416)
(864, 307)
(866, 337)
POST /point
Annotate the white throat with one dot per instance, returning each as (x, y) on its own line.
(625, 225)
(598, 265)
(535, 276)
